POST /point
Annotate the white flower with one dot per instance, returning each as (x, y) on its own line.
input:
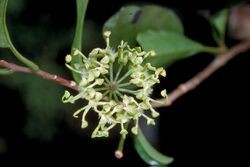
(118, 97)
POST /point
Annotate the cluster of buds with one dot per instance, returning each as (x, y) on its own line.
(117, 84)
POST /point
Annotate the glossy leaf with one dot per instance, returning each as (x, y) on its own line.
(3, 34)
(146, 151)
(131, 20)
(77, 41)
(218, 23)
(169, 46)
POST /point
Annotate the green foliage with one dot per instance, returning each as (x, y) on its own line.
(5, 41)
(40, 97)
(150, 155)
(169, 46)
(4, 71)
(218, 22)
(153, 27)
(131, 20)
(77, 42)
(3, 34)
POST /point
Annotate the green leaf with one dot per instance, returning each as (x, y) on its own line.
(77, 41)
(4, 71)
(218, 22)
(5, 41)
(3, 34)
(169, 46)
(150, 155)
(131, 20)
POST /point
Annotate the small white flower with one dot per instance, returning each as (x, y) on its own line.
(109, 92)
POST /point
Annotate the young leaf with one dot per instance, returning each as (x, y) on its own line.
(3, 36)
(148, 153)
(169, 46)
(131, 20)
(218, 23)
(77, 41)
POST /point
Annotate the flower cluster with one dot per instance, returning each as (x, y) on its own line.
(117, 85)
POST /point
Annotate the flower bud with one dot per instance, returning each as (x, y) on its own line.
(150, 121)
(124, 132)
(105, 60)
(99, 81)
(97, 73)
(145, 105)
(84, 124)
(134, 130)
(98, 96)
(104, 133)
(68, 58)
(66, 94)
(140, 95)
(107, 108)
(76, 52)
(83, 82)
(91, 93)
(164, 93)
(138, 49)
(91, 77)
(107, 34)
(154, 113)
(160, 71)
(152, 53)
(103, 120)
(103, 70)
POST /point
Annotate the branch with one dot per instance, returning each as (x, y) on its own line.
(52, 77)
(217, 63)
(182, 89)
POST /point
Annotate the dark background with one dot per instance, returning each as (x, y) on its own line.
(206, 127)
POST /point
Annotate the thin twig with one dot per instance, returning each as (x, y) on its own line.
(217, 63)
(52, 77)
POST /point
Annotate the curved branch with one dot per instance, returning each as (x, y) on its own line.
(52, 77)
(217, 63)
